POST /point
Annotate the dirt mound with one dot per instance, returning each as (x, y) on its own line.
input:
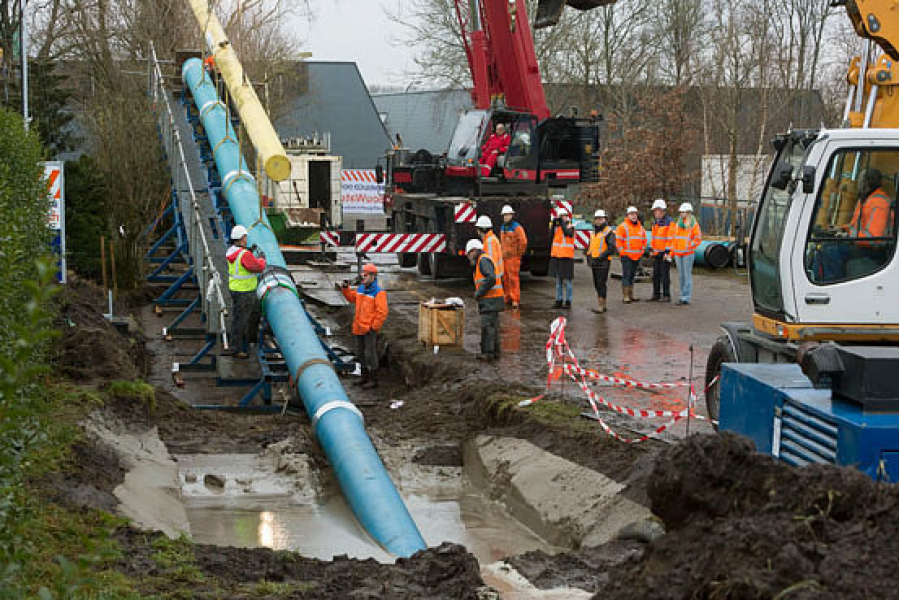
(586, 569)
(742, 525)
(186, 430)
(91, 349)
(447, 571)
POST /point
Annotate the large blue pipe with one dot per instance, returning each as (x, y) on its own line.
(336, 421)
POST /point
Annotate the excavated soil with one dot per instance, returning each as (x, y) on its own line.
(742, 525)
(447, 571)
(91, 349)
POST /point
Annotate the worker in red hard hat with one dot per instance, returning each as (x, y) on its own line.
(371, 312)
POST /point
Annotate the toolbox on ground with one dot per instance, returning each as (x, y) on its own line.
(440, 323)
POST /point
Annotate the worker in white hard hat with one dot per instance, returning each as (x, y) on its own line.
(514, 243)
(561, 258)
(685, 240)
(243, 265)
(599, 256)
(488, 291)
(660, 251)
(631, 241)
(492, 246)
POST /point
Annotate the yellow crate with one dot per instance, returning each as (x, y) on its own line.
(440, 324)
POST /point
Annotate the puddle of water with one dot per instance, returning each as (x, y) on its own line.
(259, 506)
(326, 527)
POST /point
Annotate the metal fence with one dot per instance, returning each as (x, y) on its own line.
(209, 279)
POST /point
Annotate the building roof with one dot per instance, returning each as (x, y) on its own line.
(424, 119)
(331, 97)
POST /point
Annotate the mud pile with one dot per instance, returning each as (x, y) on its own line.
(447, 571)
(742, 525)
(90, 348)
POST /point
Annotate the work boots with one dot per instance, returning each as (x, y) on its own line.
(364, 380)
(371, 383)
(627, 294)
(600, 306)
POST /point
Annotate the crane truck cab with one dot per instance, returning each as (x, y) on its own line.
(822, 252)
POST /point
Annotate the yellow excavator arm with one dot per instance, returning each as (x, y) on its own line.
(874, 103)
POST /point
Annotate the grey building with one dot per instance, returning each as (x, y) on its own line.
(331, 97)
(423, 119)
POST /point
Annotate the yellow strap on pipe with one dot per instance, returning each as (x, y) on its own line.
(252, 115)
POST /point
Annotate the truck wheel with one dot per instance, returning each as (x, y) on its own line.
(424, 264)
(406, 259)
(441, 266)
(539, 266)
(722, 352)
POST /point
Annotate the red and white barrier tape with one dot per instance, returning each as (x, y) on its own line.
(557, 348)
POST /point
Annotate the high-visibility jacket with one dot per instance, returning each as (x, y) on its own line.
(494, 249)
(563, 245)
(371, 307)
(514, 240)
(630, 239)
(599, 243)
(494, 292)
(661, 235)
(685, 237)
(871, 216)
(242, 269)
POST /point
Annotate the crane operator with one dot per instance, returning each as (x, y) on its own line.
(871, 212)
(496, 144)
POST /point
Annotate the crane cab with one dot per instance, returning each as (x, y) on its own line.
(822, 253)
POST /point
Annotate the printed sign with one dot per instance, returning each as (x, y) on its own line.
(53, 173)
(361, 193)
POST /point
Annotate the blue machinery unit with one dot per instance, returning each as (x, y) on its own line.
(783, 413)
(338, 424)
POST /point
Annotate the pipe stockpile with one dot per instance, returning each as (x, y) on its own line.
(337, 423)
(252, 114)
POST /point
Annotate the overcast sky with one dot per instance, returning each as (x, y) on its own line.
(359, 31)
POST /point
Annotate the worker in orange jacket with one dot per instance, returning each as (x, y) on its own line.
(561, 259)
(488, 291)
(631, 241)
(660, 251)
(872, 211)
(371, 312)
(492, 246)
(685, 240)
(514, 242)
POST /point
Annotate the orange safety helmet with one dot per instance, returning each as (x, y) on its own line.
(370, 268)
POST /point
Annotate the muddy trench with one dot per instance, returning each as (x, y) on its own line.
(512, 503)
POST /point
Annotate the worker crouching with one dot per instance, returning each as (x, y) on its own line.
(371, 312)
(243, 267)
(488, 291)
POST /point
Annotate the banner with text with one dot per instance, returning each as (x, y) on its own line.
(56, 219)
(361, 193)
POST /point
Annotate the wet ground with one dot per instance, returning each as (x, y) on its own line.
(428, 406)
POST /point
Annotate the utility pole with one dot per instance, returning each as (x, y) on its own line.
(23, 28)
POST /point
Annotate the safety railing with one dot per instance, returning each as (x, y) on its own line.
(209, 279)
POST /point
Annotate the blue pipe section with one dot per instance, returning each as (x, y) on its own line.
(338, 424)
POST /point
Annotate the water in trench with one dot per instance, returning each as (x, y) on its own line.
(258, 506)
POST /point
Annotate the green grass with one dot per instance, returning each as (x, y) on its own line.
(137, 391)
(547, 411)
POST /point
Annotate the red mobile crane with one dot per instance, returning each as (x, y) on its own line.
(544, 152)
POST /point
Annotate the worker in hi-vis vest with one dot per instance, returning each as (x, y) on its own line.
(243, 266)
(488, 291)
